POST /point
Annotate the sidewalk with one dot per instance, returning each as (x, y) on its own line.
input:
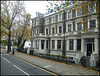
(57, 67)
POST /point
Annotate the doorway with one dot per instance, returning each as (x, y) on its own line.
(89, 49)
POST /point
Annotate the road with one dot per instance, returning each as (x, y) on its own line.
(13, 66)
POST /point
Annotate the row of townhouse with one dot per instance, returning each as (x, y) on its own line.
(64, 34)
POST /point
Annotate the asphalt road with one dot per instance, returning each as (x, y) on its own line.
(13, 66)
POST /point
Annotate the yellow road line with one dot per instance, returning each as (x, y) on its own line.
(33, 65)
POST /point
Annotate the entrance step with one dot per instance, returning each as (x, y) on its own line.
(85, 61)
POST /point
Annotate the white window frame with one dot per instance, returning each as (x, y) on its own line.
(37, 22)
(60, 45)
(77, 21)
(77, 12)
(67, 23)
(61, 17)
(54, 19)
(33, 22)
(92, 19)
(32, 32)
(47, 21)
(46, 28)
(72, 44)
(46, 31)
(71, 14)
(58, 27)
(53, 26)
(37, 32)
(94, 10)
(54, 30)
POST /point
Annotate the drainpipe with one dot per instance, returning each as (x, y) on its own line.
(64, 28)
(49, 45)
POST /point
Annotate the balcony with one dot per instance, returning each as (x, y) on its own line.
(57, 34)
(90, 30)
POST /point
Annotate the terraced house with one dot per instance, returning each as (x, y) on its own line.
(74, 33)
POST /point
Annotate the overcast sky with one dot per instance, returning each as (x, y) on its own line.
(35, 6)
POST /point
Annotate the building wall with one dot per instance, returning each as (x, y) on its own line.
(74, 34)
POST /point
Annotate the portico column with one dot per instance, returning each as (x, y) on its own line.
(67, 45)
(82, 45)
(55, 44)
(34, 44)
(61, 44)
(75, 44)
(45, 45)
(96, 45)
(50, 44)
(39, 45)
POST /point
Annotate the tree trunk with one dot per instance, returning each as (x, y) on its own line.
(9, 41)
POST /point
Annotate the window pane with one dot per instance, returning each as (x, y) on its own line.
(79, 12)
(70, 44)
(78, 44)
(42, 44)
(60, 29)
(69, 28)
(53, 30)
(31, 44)
(69, 15)
(53, 44)
(92, 7)
(59, 44)
(47, 44)
(46, 31)
(53, 19)
(59, 17)
(37, 22)
(79, 26)
(33, 32)
(92, 23)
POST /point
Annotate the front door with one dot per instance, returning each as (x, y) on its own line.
(89, 49)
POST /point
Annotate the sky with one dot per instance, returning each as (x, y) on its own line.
(35, 6)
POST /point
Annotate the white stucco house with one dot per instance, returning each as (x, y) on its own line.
(65, 35)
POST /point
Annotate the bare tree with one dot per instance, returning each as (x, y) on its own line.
(10, 10)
